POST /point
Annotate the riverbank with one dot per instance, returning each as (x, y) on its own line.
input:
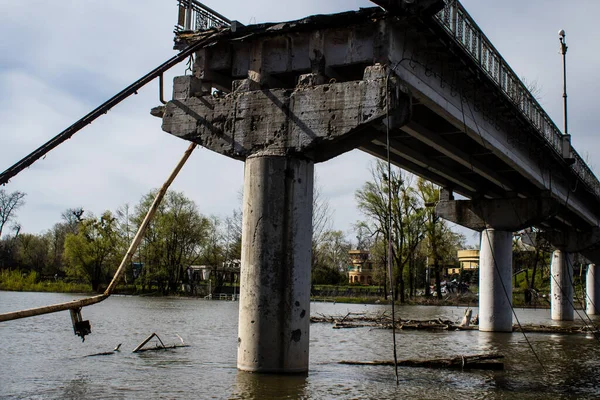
(32, 282)
(15, 281)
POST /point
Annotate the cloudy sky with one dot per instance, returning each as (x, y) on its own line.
(61, 59)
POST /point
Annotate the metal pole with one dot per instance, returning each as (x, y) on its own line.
(149, 216)
(188, 16)
(124, 263)
(563, 49)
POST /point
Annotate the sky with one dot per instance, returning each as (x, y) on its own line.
(61, 59)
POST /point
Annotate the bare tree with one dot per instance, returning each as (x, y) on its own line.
(533, 87)
(407, 218)
(9, 204)
(321, 221)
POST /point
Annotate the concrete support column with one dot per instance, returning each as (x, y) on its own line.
(495, 286)
(592, 290)
(561, 288)
(274, 312)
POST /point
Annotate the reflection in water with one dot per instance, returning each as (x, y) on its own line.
(262, 386)
(78, 388)
(41, 358)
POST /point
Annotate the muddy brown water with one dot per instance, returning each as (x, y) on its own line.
(40, 358)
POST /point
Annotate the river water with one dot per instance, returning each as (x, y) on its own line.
(40, 358)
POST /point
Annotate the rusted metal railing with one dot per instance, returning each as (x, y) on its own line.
(195, 16)
(459, 24)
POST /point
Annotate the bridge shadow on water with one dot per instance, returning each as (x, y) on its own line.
(261, 386)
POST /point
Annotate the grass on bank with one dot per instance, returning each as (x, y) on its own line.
(30, 282)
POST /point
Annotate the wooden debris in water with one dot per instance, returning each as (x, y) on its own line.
(567, 330)
(162, 346)
(106, 353)
(479, 361)
(384, 321)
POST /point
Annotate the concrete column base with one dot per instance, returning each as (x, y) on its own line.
(561, 287)
(495, 285)
(274, 312)
(592, 290)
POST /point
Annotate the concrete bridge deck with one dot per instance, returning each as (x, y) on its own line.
(420, 73)
(474, 127)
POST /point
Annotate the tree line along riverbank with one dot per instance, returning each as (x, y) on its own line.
(32, 282)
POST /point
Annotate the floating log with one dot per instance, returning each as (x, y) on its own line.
(106, 353)
(567, 330)
(479, 361)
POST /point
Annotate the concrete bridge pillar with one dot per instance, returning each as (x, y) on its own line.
(280, 134)
(495, 285)
(497, 219)
(276, 253)
(561, 286)
(592, 290)
(569, 242)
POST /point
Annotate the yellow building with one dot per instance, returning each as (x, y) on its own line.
(361, 269)
(468, 260)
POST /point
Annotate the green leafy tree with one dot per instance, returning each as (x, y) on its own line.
(332, 258)
(56, 236)
(92, 253)
(174, 239)
(33, 253)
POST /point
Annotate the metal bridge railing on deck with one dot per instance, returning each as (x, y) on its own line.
(195, 16)
(459, 24)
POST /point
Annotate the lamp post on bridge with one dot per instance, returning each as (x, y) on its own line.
(563, 49)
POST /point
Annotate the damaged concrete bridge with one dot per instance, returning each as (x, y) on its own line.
(284, 96)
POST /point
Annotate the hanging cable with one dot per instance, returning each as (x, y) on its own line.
(497, 269)
(594, 327)
(389, 205)
(587, 296)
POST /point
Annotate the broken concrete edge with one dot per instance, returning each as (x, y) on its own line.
(319, 121)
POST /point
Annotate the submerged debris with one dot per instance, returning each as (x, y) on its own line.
(479, 361)
(140, 348)
(384, 321)
(106, 353)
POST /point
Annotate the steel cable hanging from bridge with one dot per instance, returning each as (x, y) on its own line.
(496, 268)
(587, 298)
(105, 107)
(580, 300)
(389, 238)
(462, 97)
